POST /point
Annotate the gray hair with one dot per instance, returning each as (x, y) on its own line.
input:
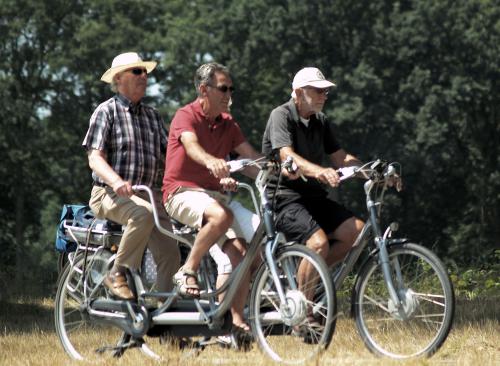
(113, 86)
(205, 73)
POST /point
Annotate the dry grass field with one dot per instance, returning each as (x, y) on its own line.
(28, 338)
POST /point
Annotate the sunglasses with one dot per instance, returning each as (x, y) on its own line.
(319, 90)
(138, 71)
(223, 88)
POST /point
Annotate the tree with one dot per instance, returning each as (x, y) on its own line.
(417, 83)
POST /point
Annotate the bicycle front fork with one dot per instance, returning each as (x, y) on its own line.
(270, 251)
(391, 271)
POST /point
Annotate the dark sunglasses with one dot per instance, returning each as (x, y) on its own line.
(325, 91)
(138, 71)
(223, 88)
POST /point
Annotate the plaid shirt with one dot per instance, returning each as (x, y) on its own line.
(133, 138)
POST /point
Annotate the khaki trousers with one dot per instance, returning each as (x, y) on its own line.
(140, 231)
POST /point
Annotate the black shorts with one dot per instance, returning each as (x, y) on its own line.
(299, 219)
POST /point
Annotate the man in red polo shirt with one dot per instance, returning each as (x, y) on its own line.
(202, 135)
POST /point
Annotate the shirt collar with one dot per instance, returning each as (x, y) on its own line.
(129, 106)
(293, 110)
(295, 113)
(221, 118)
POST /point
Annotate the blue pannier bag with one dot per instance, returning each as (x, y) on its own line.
(78, 225)
(76, 216)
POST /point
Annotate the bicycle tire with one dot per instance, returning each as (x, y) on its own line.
(62, 259)
(293, 337)
(82, 338)
(428, 305)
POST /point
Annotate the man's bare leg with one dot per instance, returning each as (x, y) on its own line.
(318, 242)
(343, 238)
(236, 250)
(217, 219)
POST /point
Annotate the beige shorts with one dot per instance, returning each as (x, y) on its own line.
(188, 205)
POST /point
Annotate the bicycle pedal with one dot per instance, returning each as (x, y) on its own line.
(225, 341)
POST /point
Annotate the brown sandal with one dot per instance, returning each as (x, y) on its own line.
(117, 285)
(180, 280)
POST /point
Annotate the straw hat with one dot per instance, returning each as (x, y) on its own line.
(126, 61)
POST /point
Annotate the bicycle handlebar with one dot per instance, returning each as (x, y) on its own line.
(237, 165)
(376, 172)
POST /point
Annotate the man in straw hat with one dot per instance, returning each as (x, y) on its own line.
(299, 129)
(126, 144)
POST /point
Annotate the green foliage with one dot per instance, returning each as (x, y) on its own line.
(418, 82)
(476, 283)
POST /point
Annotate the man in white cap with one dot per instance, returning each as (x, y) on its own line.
(126, 144)
(300, 130)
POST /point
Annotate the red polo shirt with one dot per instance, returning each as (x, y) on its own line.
(217, 138)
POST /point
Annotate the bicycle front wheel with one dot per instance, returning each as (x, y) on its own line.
(82, 338)
(422, 323)
(300, 327)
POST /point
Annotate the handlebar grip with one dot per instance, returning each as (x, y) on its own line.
(236, 165)
(290, 165)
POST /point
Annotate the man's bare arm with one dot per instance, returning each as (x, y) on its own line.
(218, 167)
(309, 169)
(98, 164)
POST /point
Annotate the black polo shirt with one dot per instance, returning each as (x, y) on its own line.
(312, 142)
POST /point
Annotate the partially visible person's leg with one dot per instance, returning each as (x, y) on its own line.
(339, 224)
(135, 213)
(198, 209)
(216, 220)
(244, 226)
(246, 220)
(342, 239)
(235, 249)
(164, 249)
(298, 224)
(295, 221)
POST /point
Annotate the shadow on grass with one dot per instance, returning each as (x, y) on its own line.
(25, 316)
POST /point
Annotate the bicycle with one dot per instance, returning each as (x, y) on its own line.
(402, 300)
(91, 324)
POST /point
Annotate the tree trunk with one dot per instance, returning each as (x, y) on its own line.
(20, 257)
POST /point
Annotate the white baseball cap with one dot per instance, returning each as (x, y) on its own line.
(310, 76)
(124, 62)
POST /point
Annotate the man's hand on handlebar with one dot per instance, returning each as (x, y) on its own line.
(396, 182)
(328, 176)
(290, 170)
(218, 168)
(122, 188)
(229, 184)
(292, 175)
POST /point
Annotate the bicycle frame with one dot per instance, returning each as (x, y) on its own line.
(372, 225)
(266, 230)
(282, 301)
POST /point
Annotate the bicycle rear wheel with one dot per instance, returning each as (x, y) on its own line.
(423, 323)
(82, 338)
(302, 326)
